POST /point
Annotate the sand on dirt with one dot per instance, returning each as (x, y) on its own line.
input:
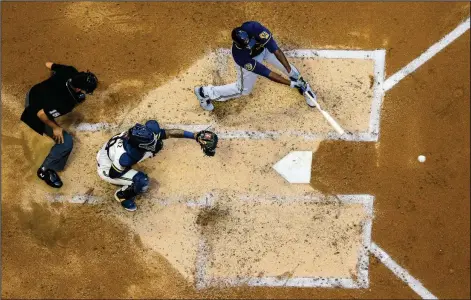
(247, 238)
(344, 88)
(166, 225)
(129, 42)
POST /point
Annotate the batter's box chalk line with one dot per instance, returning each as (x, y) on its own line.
(428, 54)
(74, 199)
(378, 56)
(361, 280)
(401, 273)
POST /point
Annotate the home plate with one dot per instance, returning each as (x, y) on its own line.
(295, 167)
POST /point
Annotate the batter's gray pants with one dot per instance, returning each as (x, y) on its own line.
(59, 153)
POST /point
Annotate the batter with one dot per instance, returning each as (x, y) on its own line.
(252, 44)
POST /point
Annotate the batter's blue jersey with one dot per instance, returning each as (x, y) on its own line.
(263, 39)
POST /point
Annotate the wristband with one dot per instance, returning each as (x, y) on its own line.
(188, 135)
(293, 84)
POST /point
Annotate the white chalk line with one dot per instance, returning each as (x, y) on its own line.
(202, 255)
(75, 199)
(203, 201)
(371, 135)
(319, 53)
(378, 94)
(400, 272)
(389, 83)
(242, 134)
(308, 282)
(428, 54)
(361, 281)
(378, 56)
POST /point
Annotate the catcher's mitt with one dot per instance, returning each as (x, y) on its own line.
(208, 141)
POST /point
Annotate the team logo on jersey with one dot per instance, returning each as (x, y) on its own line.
(248, 66)
(264, 35)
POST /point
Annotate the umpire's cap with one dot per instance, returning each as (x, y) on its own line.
(242, 39)
(85, 81)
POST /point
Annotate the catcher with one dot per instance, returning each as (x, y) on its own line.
(116, 158)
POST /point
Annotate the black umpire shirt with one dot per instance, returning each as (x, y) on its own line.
(52, 95)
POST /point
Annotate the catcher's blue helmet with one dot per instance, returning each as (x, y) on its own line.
(143, 137)
(242, 38)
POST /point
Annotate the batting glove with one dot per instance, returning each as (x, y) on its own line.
(300, 84)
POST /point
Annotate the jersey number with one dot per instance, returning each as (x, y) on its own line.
(113, 141)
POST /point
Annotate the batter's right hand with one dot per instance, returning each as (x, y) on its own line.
(300, 84)
(58, 135)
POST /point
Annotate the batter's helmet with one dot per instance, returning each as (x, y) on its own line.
(85, 81)
(142, 137)
(242, 39)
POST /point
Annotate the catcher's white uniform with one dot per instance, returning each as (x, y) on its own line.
(114, 154)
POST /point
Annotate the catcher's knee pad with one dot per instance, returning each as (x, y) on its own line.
(140, 181)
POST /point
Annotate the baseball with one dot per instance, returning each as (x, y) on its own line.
(421, 158)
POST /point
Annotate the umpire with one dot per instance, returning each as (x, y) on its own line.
(52, 98)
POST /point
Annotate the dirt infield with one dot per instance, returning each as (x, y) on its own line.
(55, 248)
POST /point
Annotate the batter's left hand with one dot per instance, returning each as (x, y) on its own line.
(301, 85)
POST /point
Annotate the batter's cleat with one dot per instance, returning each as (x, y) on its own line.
(309, 101)
(50, 177)
(205, 102)
(127, 204)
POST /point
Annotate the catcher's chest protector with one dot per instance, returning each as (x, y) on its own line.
(116, 149)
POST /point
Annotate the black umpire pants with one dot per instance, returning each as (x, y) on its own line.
(59, 153)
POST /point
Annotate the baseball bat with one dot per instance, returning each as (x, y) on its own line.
(328, 117)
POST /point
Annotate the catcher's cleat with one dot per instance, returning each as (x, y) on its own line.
(127, 204)
(205, 103)
(310, 101)
(50, 177)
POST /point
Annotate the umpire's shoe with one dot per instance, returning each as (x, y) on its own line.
(205, 102)
(127, 203)
(50, 176)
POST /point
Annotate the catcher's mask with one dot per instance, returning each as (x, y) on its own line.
(242, 38)
(85, 81)
(142, 137)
